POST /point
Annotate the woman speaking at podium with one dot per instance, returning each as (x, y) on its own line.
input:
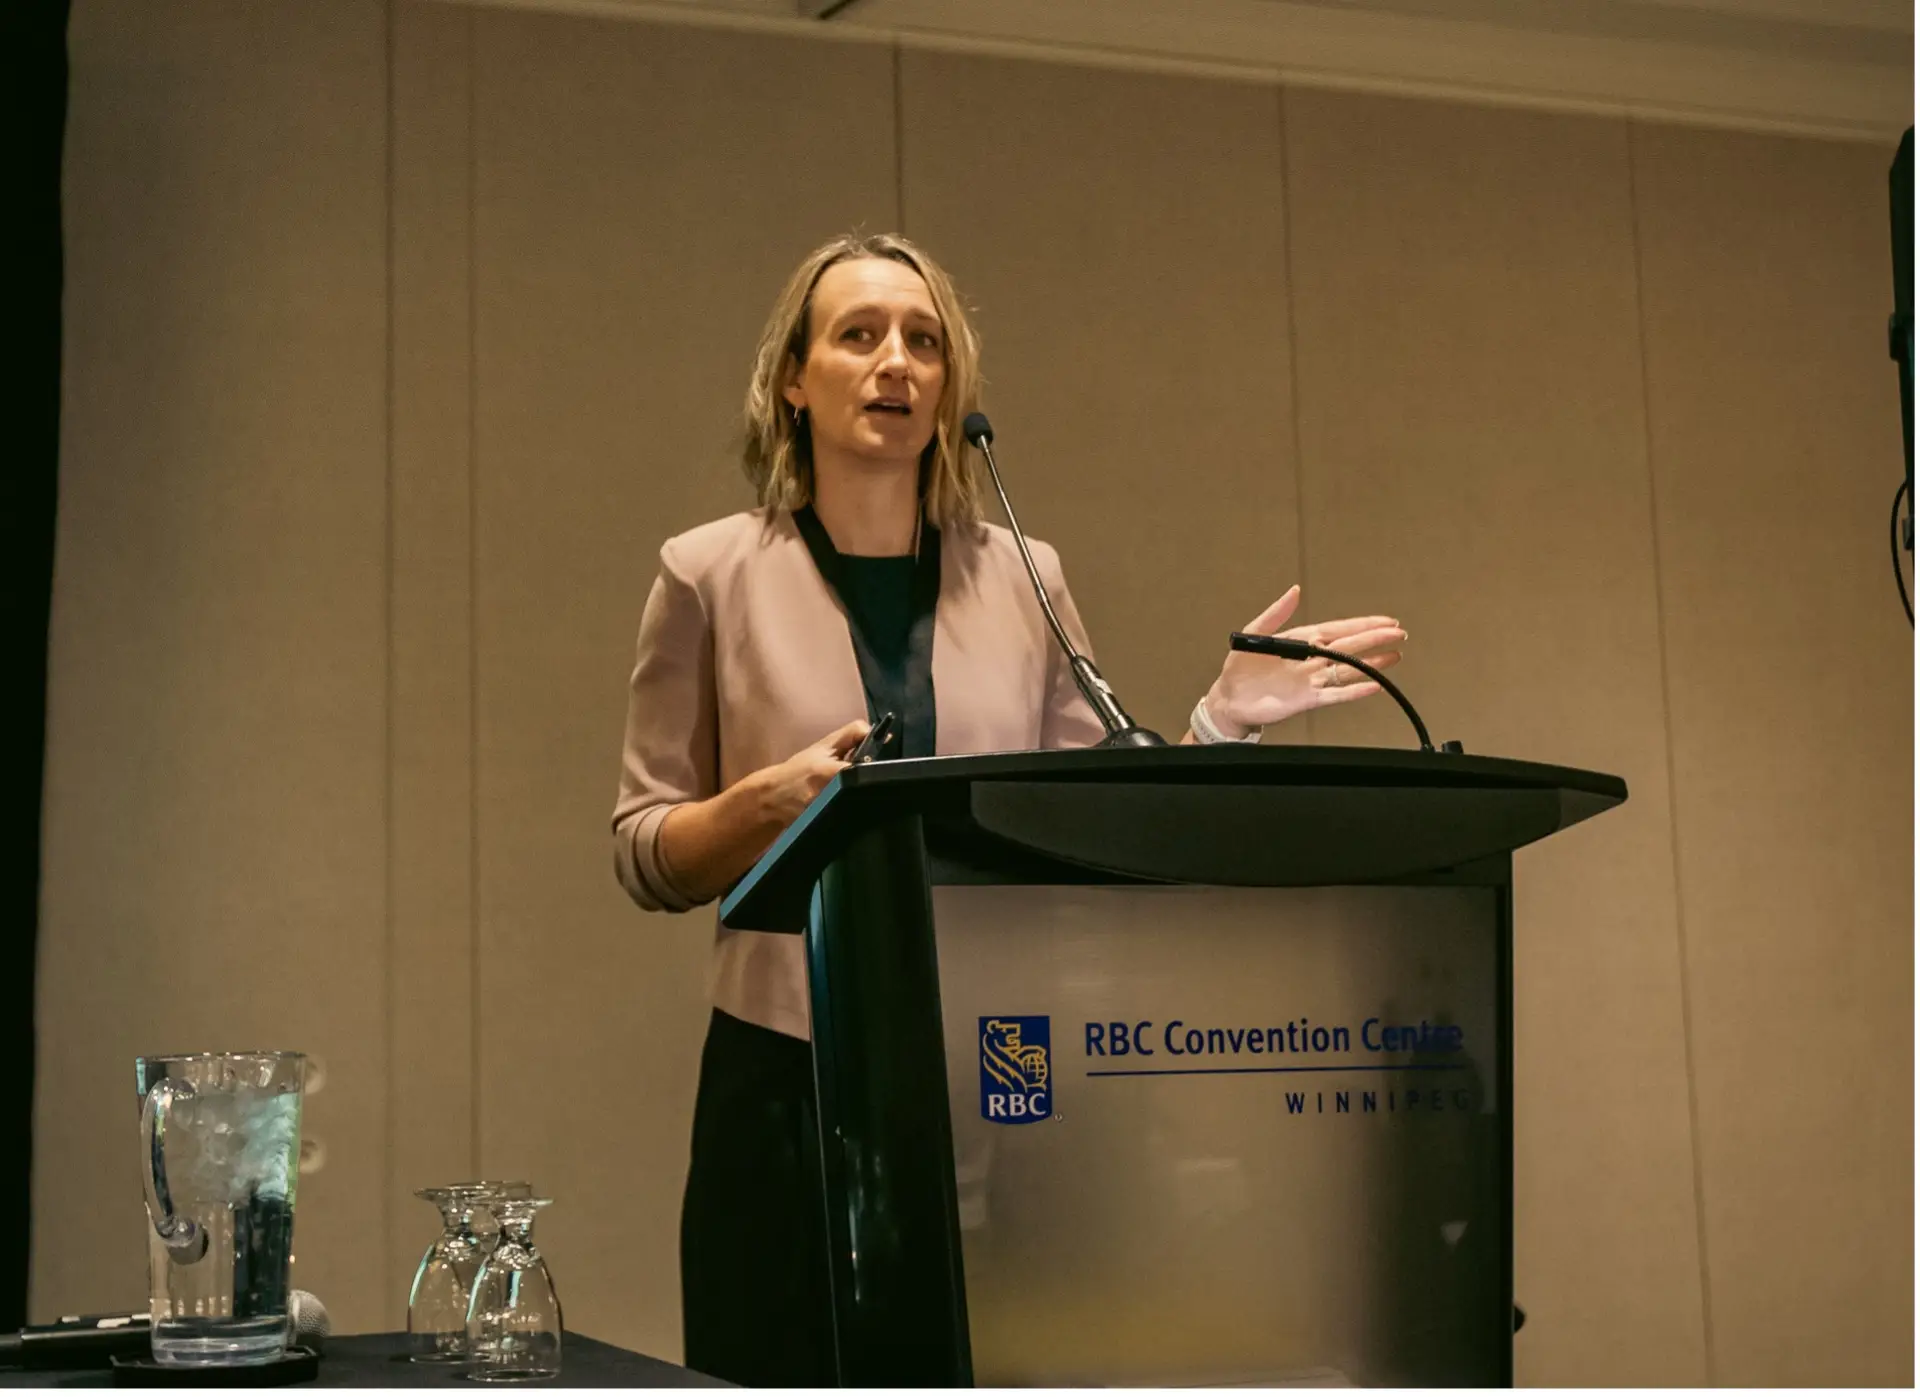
(867, 583)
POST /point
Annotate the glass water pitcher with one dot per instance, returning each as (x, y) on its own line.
(221, 1142)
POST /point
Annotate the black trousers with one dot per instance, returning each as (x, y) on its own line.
(755, 1297)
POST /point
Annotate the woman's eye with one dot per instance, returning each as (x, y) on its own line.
(927, 341)
(854, 332)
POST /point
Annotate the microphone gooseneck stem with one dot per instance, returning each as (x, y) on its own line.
(1122, 731)
(1288, 649)
(1020, 540)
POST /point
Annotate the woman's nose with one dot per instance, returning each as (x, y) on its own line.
(893, 354)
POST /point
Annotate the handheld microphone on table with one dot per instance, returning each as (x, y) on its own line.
(94, 1341)
(1122, 731)
(311, 1322)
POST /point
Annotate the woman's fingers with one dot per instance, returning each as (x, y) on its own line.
(1360, 642)
(1339, 683)
(1329, 633)
(1336, 674)
(843, 740)
(1346, 693)
(1381, 659)
(1274, 617)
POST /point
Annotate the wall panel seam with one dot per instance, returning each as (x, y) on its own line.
(1666, 717)
(1293, 365)
(475, 1081)
(899, 142)
(391, 764)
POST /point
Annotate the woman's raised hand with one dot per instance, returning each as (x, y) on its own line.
(1254, 691)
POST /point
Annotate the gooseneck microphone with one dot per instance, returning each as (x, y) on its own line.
(1122, 731)
(1288, 649)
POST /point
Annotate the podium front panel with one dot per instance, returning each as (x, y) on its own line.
(1230, 1135)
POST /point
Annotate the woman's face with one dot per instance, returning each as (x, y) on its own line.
(875, 368)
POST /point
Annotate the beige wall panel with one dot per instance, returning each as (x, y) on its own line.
(216, 794)
(432, 1096)
(1122, 236)
(1473, 461)
(1776, 447)
(642, 192)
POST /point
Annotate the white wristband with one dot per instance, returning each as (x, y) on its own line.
(1207, 734)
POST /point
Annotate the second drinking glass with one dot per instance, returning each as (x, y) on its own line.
(514, 1324)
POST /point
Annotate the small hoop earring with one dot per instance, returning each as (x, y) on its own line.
(798, 413)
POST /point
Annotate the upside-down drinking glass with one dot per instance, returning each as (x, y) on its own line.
(443, 1282)
(513, 1321)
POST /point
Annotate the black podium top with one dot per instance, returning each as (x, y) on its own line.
(1226, 815)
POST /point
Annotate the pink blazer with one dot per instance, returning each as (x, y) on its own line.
(744, 657)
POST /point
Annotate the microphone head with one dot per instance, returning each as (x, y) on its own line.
(977, 429)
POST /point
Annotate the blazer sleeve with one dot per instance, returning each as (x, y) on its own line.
(671, 752)
(1069, 720)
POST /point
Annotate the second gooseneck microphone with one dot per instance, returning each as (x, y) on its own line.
(1289, 649)
(1122, 731)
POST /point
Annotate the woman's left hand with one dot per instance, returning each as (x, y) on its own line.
(1254, 691)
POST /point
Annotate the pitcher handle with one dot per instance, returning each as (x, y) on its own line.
(185, 1239)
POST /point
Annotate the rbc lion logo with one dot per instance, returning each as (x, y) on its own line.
(1016, 1069)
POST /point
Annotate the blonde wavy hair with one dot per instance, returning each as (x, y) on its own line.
(778, 454)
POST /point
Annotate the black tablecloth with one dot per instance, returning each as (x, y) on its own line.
(378, 1360)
